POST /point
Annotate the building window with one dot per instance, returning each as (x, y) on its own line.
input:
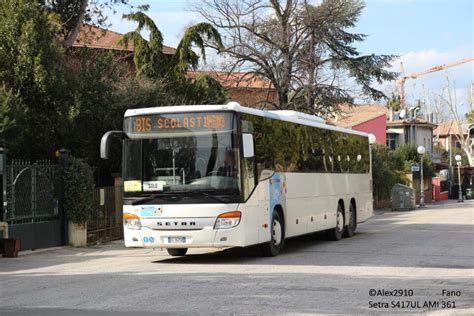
(391, 141)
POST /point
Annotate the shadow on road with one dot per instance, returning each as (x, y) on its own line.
(432, 246)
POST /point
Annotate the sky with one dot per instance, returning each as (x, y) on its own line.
(423, 33)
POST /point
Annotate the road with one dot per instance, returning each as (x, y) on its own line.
(425, 251)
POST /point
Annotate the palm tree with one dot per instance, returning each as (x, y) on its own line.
(148, 54)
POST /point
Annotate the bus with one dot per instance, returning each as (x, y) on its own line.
(218, 176)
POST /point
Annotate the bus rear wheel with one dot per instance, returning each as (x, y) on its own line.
(352, 225)
(337, 232)
(176, 252)
(273, 247)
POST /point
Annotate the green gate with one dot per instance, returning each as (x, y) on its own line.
(107, 225)
(33, 207)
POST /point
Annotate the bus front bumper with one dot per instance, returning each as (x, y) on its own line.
(208, 237)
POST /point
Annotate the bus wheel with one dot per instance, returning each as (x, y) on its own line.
(352, 225)
(273, 247)
(336, 232)
(175, 252)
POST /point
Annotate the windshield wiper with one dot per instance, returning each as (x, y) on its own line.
(217, 198)
(175, 196)
(153, 197)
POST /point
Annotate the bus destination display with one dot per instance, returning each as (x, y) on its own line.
(193, 121)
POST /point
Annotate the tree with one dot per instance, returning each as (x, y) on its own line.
(387, 170)
(33, 91)
(148, 54)
(305, 50)
(72, 14)
(53, 98)
(78, 191)
(448, 99)
(151, 62)
(470, 116)
(394, 102)
(408, 154)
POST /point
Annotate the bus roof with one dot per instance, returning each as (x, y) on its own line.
(284, 115)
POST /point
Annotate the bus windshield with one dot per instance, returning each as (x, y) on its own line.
(192, 161)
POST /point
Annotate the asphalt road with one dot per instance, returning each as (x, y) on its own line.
(424, 251)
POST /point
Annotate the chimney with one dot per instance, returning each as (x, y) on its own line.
(390, 115)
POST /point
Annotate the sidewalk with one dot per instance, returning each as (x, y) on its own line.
(433, 205)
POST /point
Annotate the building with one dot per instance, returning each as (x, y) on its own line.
(447, 135)
(415, 131)
(246, 88)
(103, 40)
(368, 118)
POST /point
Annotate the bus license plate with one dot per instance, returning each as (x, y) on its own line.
(177, 240)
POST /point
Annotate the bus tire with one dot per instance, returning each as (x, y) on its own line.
(177, 252)
(352, 223)
(277, 229)
(337, 232)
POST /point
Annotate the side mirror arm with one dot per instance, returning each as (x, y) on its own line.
(106, 141)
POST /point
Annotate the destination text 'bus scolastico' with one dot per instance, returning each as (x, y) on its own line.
(229, 176)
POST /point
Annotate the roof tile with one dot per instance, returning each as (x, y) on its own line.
(96, 37)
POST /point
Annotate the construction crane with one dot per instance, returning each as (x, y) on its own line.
(403, 78)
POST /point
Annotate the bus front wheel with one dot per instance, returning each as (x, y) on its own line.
(336, 232)
(277, 238)
(176, 252)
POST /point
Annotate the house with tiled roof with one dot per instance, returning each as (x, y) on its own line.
(368, 118)
(95, 37)
(417, 131)
(446, 135)
(249, 89)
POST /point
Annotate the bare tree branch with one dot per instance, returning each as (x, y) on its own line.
(305, 50)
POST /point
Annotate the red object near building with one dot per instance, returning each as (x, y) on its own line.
(438, 195)
(376, 126)
(367, 118)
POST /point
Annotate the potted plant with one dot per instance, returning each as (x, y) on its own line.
(78, 200)
(11, 247)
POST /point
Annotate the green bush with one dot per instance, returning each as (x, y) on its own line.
(78, 191)
(409, 155)
(387, 170)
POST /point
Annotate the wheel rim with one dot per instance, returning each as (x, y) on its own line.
(340, 221)
(276, 233)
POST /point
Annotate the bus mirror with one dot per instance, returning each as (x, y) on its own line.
(247, 142)
(105, 143)
(266, 174)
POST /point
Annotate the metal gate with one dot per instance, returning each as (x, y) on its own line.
(33, 210)
(107, 223)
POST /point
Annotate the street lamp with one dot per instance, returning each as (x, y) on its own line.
(421, 150)
(458, 162)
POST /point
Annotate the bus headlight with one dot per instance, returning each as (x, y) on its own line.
(131, 221)
(228, 220)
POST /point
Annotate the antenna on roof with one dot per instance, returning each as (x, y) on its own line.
(402, 114)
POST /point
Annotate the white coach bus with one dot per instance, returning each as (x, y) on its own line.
(230, 176)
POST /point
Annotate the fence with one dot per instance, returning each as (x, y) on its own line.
(33, 213)
(107, 224)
